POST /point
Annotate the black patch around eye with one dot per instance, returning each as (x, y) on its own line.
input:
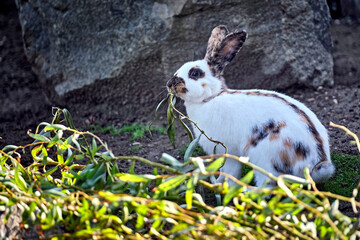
(196, 73)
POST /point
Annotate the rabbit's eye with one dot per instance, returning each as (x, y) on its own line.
(196, 73)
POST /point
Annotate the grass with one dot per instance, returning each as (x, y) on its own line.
(346, 177)
(137, 130)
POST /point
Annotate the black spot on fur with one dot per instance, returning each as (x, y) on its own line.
(261, 132)
(313, 130)
(253, 142)
(175, 81)
(283, 168)
(301, 150)
(270, 124)
(255, 130)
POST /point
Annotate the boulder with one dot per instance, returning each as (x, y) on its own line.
(113, 53)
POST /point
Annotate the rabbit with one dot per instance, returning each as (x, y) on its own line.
(277, 133)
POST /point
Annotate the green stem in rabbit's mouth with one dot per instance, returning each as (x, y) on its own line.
(171, 128)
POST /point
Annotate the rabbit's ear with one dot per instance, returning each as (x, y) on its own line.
(217, 36)
(225, 51)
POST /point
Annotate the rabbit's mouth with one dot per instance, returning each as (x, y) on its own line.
(177, 86)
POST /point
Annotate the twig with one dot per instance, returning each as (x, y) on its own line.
(347, 132)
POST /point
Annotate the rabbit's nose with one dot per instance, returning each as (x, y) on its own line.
(174, 81)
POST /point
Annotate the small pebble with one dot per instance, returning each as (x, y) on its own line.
(311, 99)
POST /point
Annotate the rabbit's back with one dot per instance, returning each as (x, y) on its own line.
(277, 132)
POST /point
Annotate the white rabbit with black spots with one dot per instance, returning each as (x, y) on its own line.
(276, 132)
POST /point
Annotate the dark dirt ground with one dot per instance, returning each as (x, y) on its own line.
(23, 104)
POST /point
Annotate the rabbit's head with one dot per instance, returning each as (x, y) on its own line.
(203, 79)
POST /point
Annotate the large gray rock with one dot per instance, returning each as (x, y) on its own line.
(115, 52)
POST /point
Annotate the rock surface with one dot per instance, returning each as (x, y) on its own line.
(108, 53)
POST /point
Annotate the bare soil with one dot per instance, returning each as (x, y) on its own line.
(23, 104)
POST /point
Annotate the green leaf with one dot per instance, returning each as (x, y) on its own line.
(166, 158)
(248, 177)
(55, 139)
(7, 147)
(74, 140)
(141, 210)
(171, 183)
(93, 177)
(87, 172)
(189, 191)
(232, 192)
(215, 165)
(125, 177)
(79, 157)
(68, 119)
(60, 158)
(55, 127)
(190, 150)
(187, 129)
(51, 171)
(99, 213)
(170, 118)
(12, 185)
(39, 137)
(35, 151)
(69, 159)
(68, 141)
(171, 133)
(115, 169)
(94, 147)
(45, 155)
(55, 191)
(20, 182)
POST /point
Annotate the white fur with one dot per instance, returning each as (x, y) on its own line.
(230, 118)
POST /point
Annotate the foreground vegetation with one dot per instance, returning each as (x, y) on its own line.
(74, 185)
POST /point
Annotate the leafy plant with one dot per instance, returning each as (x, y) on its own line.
(74, 182)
